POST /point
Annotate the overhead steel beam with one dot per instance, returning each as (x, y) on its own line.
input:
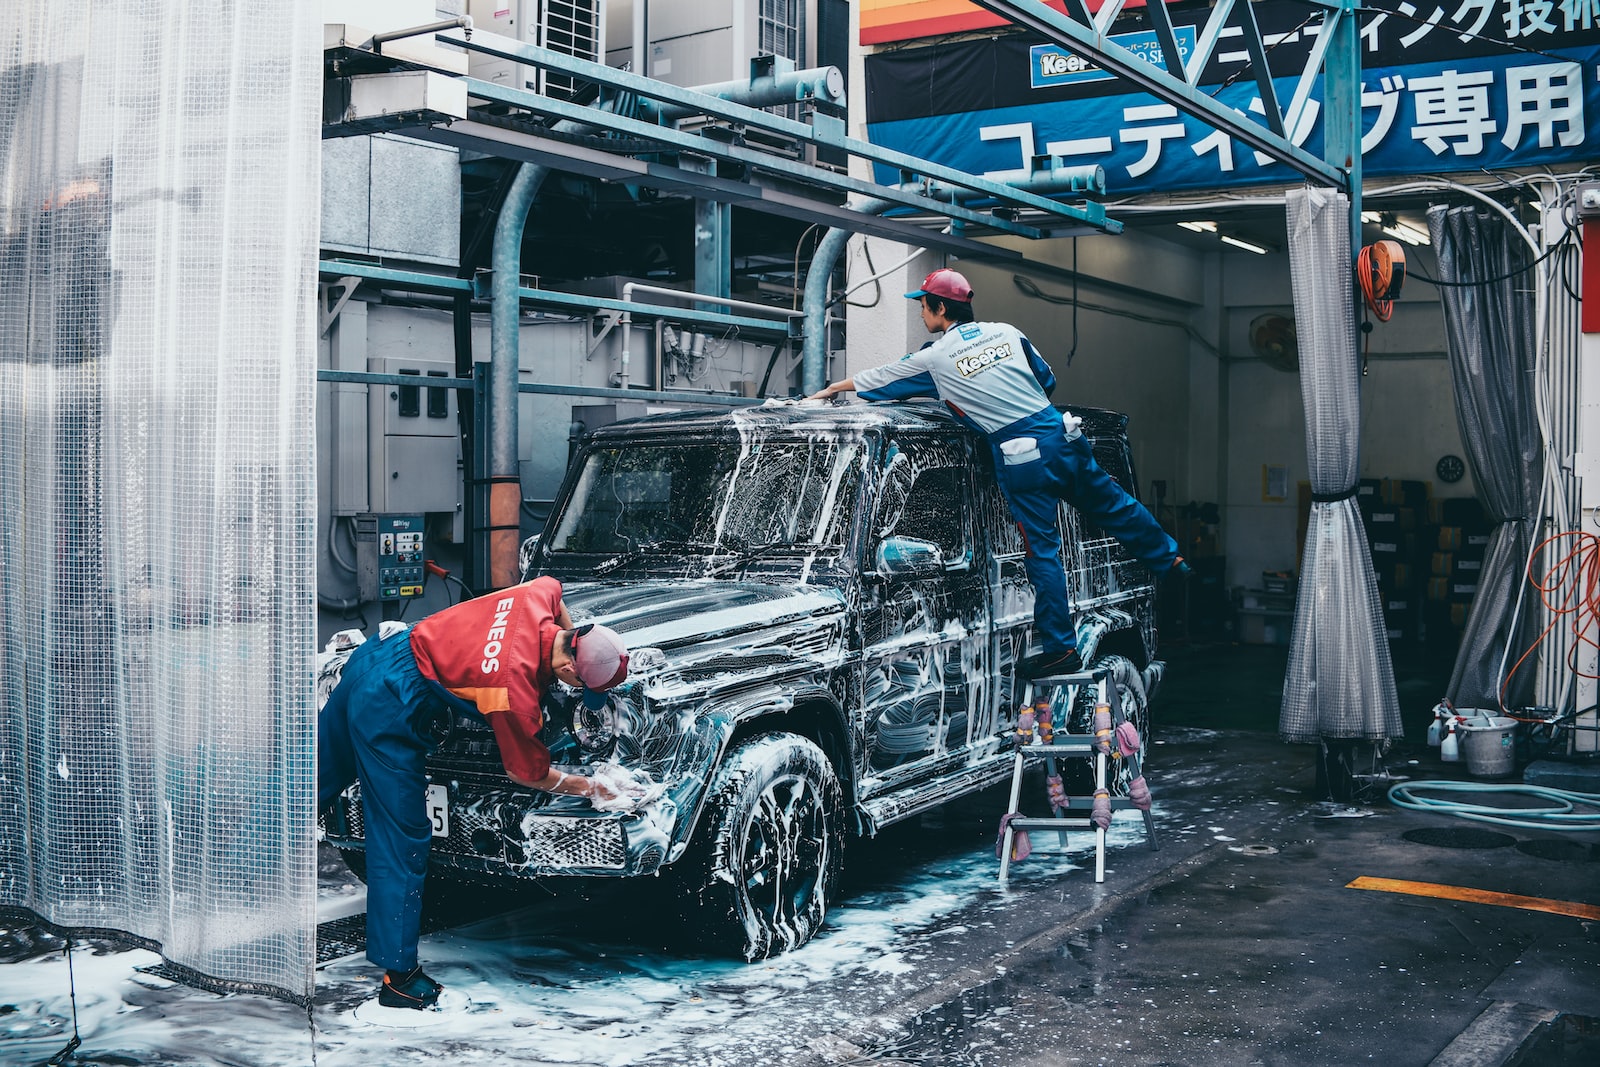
(572, 303)
(1086, 39)
(608, 166)
(825, 131)
(709, 399)
(676, 140)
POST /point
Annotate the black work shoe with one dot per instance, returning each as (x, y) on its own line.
(1041, 664)
(413, 989)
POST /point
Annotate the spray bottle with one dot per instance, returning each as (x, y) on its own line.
(1450, 747)
(1436, 727)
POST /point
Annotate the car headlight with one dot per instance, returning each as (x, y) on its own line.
(595, 728)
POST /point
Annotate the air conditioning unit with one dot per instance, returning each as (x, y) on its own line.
(571, 27)
(713, 41)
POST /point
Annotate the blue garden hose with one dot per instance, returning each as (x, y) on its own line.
(1559, 815)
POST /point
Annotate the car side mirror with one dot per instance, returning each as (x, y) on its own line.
(909, 557)
(525, 556)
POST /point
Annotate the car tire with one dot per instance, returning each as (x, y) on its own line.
(767, 863)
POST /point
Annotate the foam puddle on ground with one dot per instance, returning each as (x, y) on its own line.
(536, 995)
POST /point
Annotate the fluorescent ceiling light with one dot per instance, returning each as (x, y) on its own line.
(1371, 216)
(1407, 233)
(1200, 227)
(1246, 245)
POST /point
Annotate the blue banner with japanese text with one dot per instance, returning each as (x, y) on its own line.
(1461, 86)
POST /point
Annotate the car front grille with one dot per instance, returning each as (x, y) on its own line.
(557, 841)
(542, 844)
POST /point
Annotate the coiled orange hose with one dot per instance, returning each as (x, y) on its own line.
(1570, 590)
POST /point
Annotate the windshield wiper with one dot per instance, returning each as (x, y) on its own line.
(744, 555)
(651, 548)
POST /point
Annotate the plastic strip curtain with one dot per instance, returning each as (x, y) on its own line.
(158, 237)
(1489, 333)
(1340, 680)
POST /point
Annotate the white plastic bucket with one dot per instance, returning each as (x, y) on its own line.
(1488, 745)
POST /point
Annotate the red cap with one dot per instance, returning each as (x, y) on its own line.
(945, 283)
(600, 658)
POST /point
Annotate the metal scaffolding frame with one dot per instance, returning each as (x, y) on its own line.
(654, 154)
(1335, 57)
(634, 110)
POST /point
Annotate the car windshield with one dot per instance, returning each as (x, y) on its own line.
(712, 498)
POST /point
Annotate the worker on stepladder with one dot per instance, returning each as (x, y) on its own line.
(994, 380)
(496, 656)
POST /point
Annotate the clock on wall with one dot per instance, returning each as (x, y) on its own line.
(1450, 469)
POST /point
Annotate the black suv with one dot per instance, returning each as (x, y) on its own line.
(826, 605)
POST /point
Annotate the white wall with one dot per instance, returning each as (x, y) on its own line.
(1163, 335)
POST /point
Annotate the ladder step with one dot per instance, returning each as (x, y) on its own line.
(1079, 678)
(1050, 824)
(1084, 747)
(1085, 803)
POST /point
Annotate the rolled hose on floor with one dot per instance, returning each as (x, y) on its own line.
(1560, 815)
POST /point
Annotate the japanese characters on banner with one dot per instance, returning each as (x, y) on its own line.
(1447, 85)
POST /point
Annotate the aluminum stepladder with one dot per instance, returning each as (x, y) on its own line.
(1065, 744)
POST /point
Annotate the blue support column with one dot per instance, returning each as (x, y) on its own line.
(1342, 108)
(713, 244)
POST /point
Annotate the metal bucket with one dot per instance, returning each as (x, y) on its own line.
(1488, 745)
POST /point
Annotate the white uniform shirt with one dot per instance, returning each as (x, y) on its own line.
(987, 372)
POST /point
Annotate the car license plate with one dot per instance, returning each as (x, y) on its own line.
(439, 810)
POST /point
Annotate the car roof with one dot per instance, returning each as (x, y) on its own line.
(800, 419)
(781, 417)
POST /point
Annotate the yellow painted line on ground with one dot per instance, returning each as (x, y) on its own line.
(1477, 896)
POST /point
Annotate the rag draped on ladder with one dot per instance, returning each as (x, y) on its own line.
(159, 210)
(1340, 680)
(1489, 331)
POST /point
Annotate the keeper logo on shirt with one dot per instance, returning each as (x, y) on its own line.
(982, 361)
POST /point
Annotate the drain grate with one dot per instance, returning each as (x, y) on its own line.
(341, 937)
(1552, 848)
(1441, 837)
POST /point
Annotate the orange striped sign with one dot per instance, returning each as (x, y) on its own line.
(1477, 896)
(883, 21)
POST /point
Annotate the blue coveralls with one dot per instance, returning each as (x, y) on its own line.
(994, 380)
(385, 744)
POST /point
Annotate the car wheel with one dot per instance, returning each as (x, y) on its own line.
(769, 855)
(1078, 775)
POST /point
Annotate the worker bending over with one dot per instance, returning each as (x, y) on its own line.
(496, 656)
(994, 380)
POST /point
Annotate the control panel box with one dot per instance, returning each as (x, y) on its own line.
(414, 448)
(390, 557)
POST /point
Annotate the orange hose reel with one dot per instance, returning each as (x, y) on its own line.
(1381, 271)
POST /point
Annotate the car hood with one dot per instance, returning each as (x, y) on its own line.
(686, 614)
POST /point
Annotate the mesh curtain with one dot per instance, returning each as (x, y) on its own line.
(1489, 331)
(1340, 680)
(158, 238)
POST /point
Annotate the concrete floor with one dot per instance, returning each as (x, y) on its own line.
(1244, 943)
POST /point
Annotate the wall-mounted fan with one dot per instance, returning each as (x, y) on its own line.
(1272, 339)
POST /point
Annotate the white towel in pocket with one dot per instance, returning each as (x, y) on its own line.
(1019, 450)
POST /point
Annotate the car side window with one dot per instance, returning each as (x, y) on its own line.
(935, 510)
(994, 517)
